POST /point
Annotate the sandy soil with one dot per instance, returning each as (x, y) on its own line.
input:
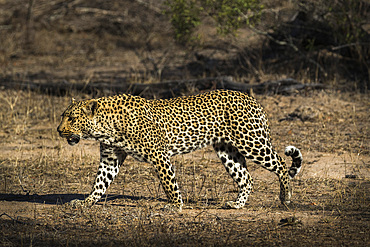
(40, 172)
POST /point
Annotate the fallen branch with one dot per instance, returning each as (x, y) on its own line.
(164, 89)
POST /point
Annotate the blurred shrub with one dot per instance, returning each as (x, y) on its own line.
(228, 15)
(347, 18)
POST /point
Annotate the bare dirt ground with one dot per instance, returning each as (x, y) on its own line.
(40, 172)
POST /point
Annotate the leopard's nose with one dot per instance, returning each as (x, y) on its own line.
(60, 130)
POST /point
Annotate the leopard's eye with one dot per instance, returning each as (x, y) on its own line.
(70, 119)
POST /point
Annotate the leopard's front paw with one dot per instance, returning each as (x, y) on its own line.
(171, 207)
(232, 205)
(79, 204)
(76, 203)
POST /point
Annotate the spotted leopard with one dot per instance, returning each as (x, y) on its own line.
(154, 130)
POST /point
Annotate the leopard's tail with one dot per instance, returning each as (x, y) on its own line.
(297, 160)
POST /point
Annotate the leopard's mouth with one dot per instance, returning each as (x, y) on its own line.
(73, 139)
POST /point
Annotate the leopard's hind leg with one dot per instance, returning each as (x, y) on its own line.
(235, 165)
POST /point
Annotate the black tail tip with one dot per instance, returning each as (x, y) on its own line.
(292, 152)
(297, 160)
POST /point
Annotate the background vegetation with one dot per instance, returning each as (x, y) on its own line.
(150, 41)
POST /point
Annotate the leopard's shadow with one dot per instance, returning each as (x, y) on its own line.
(59, 199)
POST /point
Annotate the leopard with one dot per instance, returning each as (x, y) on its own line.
(154, 130)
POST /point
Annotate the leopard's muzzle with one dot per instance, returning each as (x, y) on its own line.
(73, 139)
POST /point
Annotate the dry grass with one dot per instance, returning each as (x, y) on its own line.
(39, 172)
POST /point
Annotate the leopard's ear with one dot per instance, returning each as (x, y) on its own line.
(90, 107)
(73, 100)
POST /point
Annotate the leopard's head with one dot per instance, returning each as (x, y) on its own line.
(78, 121)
